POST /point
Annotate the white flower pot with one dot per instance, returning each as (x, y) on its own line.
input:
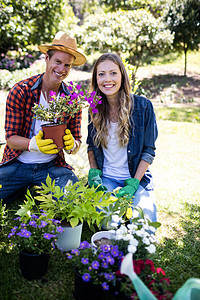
(101, 234)
(70, 238)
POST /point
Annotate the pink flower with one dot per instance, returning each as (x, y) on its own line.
(78, 86)
(95, 110)
(52, 93)
(160, 270)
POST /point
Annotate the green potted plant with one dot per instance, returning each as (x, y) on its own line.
(60, 107)
(34, 235)
(76, 204)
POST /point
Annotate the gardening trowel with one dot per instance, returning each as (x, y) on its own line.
(141, 289)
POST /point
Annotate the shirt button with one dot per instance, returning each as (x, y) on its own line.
(129, 151)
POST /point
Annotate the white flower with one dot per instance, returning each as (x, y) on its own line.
(151, 248)
(132, 226)
(134, 242)
(152, 229)
(140, 232)
(114, 225)
(146, 241)
(119, 237)
(128, 237)
(132, 249)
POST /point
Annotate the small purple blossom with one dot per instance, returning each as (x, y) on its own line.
(86, 277)
(48, 236)
(109, 276)
(104, 265)
(78, 86)
(60, 229)
(95, 265)
(101, 255)
(43, 224)
(105, 286)
(84, 245)
(69, 256)
(105, 248)
(85, 261)
(95, 110)
(24, 233)
(75, 252)
(52, 93)
(70, 88)
(33, 223)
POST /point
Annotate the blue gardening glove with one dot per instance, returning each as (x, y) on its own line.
(130, 187)
(94, 179)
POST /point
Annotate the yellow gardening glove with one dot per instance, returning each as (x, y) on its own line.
(38, 144)
(68, 140)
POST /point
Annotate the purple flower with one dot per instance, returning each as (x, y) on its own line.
(95, 110)
(86, 277)
(60, 229)
(90, 268)
(24, 233)
(95, 265)
(115, 252)
(93, 94)
(43, 224)
(105, 286)
(48, 236)
(99, 101)
(104, 265)
(78, 86)
(71, 82)
(75, 251)
(70, 102)
(85, 261)
(70, 88)
(109, 276)
(101, 255)
(84, 245)
(62, 95)
(110, 260)
(52, 93)
(33, 223)
(81, 93)
(74, 96)
(69, 256)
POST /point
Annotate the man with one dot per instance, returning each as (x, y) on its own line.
(28, 158)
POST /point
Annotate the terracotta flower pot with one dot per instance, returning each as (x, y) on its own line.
(55, 132)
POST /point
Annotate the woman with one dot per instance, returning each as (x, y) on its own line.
(121, 136)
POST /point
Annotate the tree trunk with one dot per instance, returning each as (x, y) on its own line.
(185, 52)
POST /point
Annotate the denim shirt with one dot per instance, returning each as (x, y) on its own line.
(142, 137)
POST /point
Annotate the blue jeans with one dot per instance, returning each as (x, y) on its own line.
(17, 176)
(143, 198)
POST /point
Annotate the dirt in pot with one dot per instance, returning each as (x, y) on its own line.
(103, 241)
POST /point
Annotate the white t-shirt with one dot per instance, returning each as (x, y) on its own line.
(37, 157)
(115, 157)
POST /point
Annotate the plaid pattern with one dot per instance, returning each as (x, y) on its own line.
(19, 116)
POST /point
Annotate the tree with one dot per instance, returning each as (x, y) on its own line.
(183, 19)
(26, 22)
(136, 33)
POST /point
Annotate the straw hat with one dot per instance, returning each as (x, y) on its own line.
(64, 42)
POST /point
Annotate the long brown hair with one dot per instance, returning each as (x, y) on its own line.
(101, 119)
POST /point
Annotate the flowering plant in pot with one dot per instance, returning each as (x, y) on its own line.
(54, 116)
(32, 231)
(66, 105)
(34, 235)
(100, 271)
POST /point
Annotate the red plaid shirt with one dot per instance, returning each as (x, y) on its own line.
(19, 116)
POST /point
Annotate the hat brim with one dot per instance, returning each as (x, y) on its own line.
(80, 59)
